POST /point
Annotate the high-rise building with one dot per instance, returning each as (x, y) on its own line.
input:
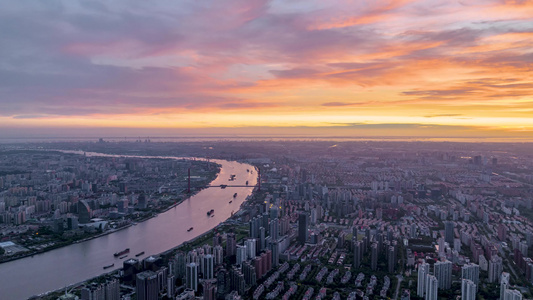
(151, 263)
(314, 216)
(529, 271)
(123, 188)
(209, 289)
(274, 212)
(254, 223)
(250, 248)
(274, 229)
(218, 255)
(504, 284)
(502, 232)
(495, 268)
(468, 290)
(354, 233)
(357, 254)
(412, 232)
(529, 238)
(242, 254)
(341, 239)
(448, 232)
(223, 287)
(374, 257)
(366, 244)
(391, 258)
(171, 286)
(147, 286)
(443, 273)
(268, 261)
(284, 225)
(262, 237)
(208, 262)
(162, 278)
(112, 290)
(217, 239)
(263, 220)
(93, 292)
(457, 245)
(193, 256)
(237, 281)
(179, 264)
(423, 272)
(432, 286)
(512, 295)
(72, 222)
(274, 247)
(303, 223)
(378, 238)
(258, 264)
(208, 249)
(122, 205)
(483, 263)
(141, 201)
(470, 271)
(248, 271)
(191, 276)
(379, 213)
(131, 267)
(523, 247)
(230, 244)
(442, 246)
(84, 212)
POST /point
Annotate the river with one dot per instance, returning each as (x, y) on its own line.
(23, 278)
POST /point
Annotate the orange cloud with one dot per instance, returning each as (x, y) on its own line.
(377, 11)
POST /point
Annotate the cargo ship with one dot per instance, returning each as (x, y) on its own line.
(109, 266)
(127, 250)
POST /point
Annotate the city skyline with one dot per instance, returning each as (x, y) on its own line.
(313, 68)
(291, 219)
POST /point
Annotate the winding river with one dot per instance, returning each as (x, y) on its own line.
(61, 267)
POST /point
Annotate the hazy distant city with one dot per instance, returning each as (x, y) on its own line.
(326, 220)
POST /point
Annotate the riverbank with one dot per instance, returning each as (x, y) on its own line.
(203, 238)
(154, 213)
(53, 295)
(79, 262)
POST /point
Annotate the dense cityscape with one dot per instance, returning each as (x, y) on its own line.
(51, 199)
(327, 220)
(266, 149)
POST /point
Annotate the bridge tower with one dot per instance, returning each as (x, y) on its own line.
(189, 181)
(259, 179)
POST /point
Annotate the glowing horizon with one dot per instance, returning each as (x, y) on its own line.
(399, 68)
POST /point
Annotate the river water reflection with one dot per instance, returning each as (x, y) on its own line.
(61, 267)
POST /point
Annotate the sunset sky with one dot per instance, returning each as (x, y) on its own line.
(284, 67)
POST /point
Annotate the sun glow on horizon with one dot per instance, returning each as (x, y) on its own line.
(339, 67)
